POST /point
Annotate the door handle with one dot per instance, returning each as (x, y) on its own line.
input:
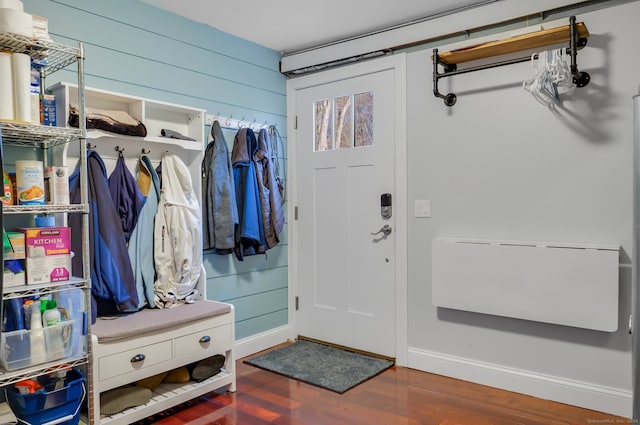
(385, 230)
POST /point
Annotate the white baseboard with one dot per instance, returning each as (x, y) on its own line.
(595, 397)
(247, 346)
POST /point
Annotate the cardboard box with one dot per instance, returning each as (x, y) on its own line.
(56, 185)
(13, 279)
(48, 252)
(49, 110)
(18, 246)
(41, 28)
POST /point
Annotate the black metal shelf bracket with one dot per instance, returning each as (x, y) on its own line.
(449, 99)
(580, 78)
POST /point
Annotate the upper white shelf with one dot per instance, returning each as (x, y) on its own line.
(155, 115)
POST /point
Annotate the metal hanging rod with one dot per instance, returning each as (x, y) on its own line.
(576, 34)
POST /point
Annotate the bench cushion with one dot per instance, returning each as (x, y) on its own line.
(149, 320)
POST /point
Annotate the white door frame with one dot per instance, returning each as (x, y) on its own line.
(397, 62)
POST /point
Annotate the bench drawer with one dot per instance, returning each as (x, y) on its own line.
(202, 344)
(135, 359)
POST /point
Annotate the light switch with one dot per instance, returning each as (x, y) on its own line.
(422, 208)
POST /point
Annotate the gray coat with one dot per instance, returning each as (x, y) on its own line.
(219, 208)
(270, 198)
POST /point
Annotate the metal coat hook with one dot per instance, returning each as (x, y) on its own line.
(90, 146)
(146, 151)
(119, 150)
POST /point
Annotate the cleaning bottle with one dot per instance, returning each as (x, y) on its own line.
(36, 335)
(52, 333)
(51, 315)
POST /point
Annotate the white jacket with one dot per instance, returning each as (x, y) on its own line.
(177, 235)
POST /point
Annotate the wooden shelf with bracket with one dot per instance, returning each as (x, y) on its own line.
(574, 33)
(514, 44)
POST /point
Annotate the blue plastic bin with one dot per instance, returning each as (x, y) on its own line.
(44, 407)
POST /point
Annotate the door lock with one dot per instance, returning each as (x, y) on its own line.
(385, 230)
(385, 206)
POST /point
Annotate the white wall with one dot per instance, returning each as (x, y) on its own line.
(498, 165)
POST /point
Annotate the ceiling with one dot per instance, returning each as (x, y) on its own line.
(292, 25)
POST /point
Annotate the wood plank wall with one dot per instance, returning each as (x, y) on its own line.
(137, 49)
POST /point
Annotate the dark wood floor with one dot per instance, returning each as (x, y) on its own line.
(397, 396)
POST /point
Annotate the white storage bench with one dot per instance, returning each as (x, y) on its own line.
(152, 341)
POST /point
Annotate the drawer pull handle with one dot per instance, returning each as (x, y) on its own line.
(137, 358)
(204, 339)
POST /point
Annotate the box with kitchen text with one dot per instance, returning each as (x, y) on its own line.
(48, 254)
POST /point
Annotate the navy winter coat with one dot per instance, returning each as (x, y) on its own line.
(126, 196)
(250, 239)
(113, 287)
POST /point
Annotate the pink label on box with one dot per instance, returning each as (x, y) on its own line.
(48, 241)
(58, 274)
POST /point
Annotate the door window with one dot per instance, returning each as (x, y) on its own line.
(364, 119)
(343, 122)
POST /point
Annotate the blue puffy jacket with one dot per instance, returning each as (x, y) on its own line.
(250, 239)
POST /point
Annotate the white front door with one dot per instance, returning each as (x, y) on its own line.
(345, 168)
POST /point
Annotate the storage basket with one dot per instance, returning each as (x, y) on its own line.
(61, 406)
(60, 341)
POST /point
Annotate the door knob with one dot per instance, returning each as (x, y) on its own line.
(385, 230)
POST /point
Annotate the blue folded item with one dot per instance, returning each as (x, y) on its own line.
(14, 266)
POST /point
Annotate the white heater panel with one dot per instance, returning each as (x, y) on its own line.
(566, 284)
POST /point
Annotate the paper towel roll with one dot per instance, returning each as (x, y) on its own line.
(6, 87)
(12, 4)
(22, 87)
(16, 22)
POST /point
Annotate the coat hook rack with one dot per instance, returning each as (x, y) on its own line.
(575, 33)
(231, 123)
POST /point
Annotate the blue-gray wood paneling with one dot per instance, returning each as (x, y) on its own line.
(137, 49)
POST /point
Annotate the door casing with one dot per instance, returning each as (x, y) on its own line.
(397, 62)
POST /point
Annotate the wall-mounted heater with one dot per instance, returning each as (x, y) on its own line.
(565, 284)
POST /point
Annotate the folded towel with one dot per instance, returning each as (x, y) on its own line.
(115, 121)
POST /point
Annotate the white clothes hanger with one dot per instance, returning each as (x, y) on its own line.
(552, 77)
